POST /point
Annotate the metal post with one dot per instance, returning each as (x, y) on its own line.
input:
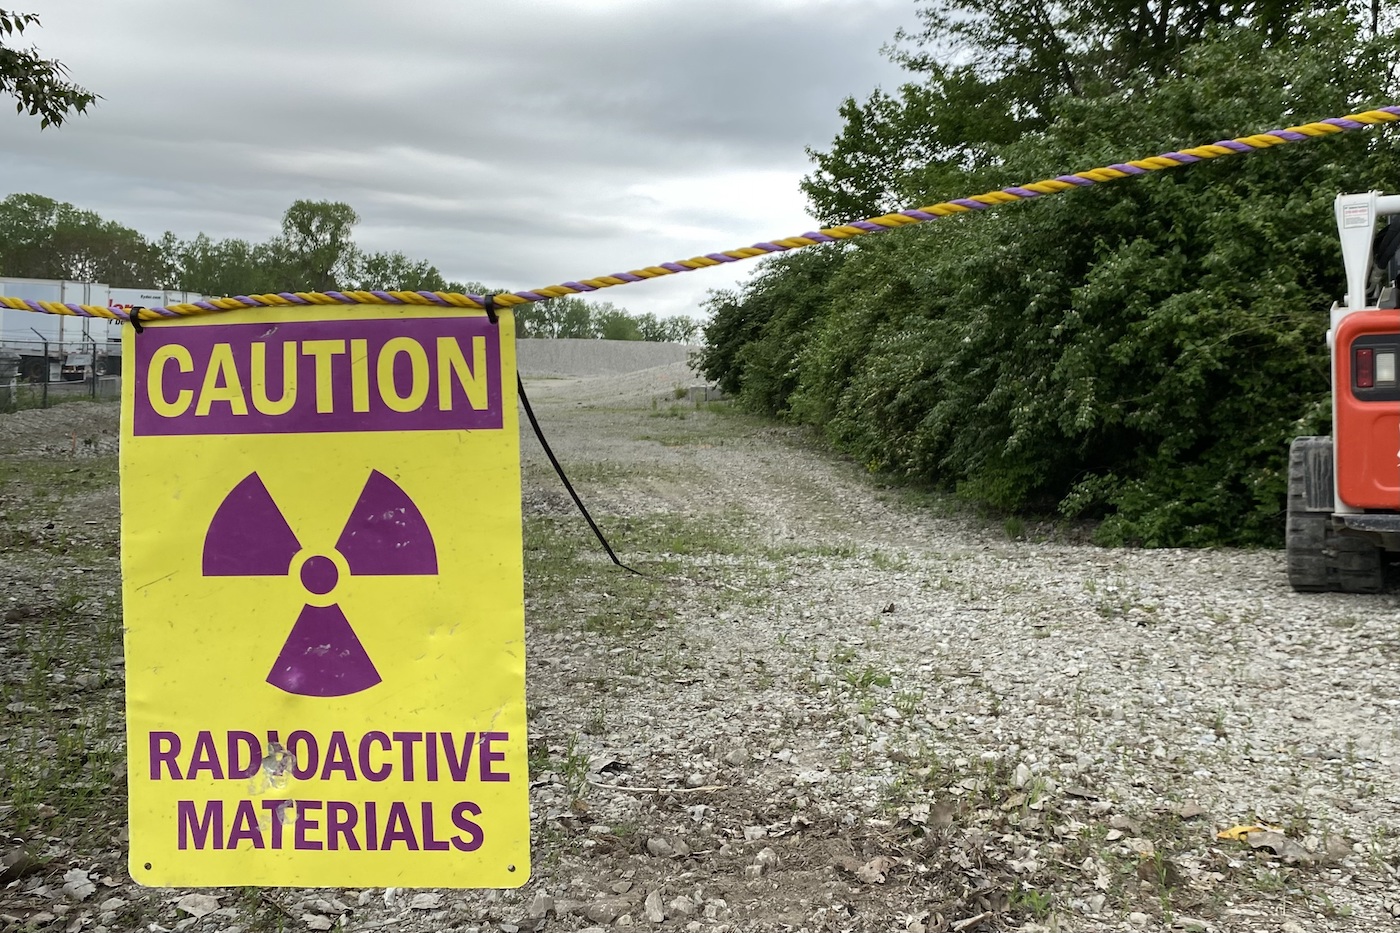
(44, 403)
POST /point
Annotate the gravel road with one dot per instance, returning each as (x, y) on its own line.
(834, 705)
(922, 720)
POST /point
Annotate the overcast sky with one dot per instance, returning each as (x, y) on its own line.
(519, 143)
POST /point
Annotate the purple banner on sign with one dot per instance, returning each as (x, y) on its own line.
(307, 377)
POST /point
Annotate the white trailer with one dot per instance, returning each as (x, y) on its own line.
(45, 340)
(56, 347)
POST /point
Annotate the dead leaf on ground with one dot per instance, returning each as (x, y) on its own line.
(1190, 810)
(605, 764)
(875, 870)
(1160, 872)
(943, 814)
(1282, 846)
(77, 884)
(16, 864)
(917, 814)
(198, 905)
(1241, 833)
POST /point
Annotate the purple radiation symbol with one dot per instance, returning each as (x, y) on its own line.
(385, 535)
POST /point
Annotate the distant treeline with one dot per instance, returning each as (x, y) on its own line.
(1140, 352)
(47, 239)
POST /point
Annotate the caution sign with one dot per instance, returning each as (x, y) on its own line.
(321, 571)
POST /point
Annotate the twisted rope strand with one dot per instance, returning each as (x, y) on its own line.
(976, 202)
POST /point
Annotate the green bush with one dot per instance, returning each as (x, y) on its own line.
(1140, 352)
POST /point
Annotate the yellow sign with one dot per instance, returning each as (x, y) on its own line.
(321, 569)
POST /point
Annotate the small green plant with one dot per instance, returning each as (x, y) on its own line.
(1330, 908)
(573, 768)
(886, 562)
(597, 723)
(843, 655)
(1028, 900)
(1271, 881)
(862, 680)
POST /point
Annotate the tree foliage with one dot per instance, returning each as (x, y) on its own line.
(571, 317)
(47, 239)
(1140, 352)
(989, 71)
(318, 243)
(39, 85)
(44, 238)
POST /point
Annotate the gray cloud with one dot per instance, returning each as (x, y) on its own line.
(517, 143)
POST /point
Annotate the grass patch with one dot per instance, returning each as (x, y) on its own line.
(819, 550)
(664, 533)
(62, 755)
(571, 584)
(704, 424)
(57, 480)
(38, 514)
(62, 726)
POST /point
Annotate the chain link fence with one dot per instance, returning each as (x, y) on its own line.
(43, 373)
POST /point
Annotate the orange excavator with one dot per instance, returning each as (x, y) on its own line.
(1344, 490)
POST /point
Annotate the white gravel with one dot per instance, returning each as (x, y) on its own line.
(836, 706)
(1177, 692)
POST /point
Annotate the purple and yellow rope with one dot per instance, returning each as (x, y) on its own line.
(977, 202)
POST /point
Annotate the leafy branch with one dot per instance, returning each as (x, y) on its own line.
(39, 85)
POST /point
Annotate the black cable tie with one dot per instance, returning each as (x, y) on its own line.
(597, 532)
(489, 303)
(134, 316)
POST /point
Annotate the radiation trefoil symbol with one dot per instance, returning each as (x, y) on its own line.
(385, 535)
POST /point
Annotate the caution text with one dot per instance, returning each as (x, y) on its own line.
(409, 374)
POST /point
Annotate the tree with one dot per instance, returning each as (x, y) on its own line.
(577, 320)
(320, 251)
(678, 329)
(542, 318)
(989, 71)
(231, 267)
(565, 317)
(38, 84)
(651, 327)
(395, 272)
(681, 329)
(573, 317)
(613, 323)
(44, 238)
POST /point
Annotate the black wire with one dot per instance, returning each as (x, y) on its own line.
(529, 413)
